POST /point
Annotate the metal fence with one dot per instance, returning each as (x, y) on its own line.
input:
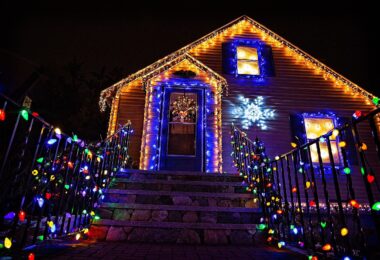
(329, 208)
(50, 182)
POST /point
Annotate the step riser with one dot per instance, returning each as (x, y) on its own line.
(159, 176)
(179, 216)
(180, 200)
(177, 187)
(175, 235)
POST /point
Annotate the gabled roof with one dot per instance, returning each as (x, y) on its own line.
(110, 91)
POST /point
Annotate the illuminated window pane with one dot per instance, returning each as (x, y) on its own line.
(248, 67)
(247, 61)
(316, 127)
(246, 53)
(324, 152)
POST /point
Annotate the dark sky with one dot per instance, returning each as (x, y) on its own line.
(111, 34)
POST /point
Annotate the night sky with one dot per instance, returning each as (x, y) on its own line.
(130, 37)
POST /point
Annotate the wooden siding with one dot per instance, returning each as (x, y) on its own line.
(131, 107)
(295, 89)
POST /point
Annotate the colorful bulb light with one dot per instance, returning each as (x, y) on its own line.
(24, 114)
(7, 243)
(376, 206)
(2, 115)
(344, 232)
(370, 178)
(21, 215)
(347, 170)
(52, 141)
(354, 204)
(326, 247)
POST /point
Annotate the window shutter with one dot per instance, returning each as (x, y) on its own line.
(347, 136)
(229, 58)
(268, 64)
(298, 133)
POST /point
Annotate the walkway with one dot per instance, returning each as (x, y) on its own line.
(120, 250)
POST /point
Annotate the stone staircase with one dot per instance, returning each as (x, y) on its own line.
(177, 207)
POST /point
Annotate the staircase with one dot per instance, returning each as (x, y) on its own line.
(177, 207)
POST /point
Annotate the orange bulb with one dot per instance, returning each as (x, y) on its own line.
(354, 204)
(326, 247)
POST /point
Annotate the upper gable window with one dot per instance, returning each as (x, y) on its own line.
(247, 61)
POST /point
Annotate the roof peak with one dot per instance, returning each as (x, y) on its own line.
(108, 92)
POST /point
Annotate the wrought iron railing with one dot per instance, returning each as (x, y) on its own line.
(327, 208)
(50, 182)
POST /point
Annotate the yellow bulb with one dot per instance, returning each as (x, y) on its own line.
(335, 133)
(308, 183)
(364, 147)
(7, 243)
(57, 131)
(342, 144)
(77, 236)
(294, 145)
(344, 232)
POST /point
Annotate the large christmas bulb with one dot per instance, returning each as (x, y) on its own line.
(2, 115)
(24, 114)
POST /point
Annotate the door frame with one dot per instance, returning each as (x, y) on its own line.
(200, 126)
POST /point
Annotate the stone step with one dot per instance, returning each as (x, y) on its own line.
(180, 198)
(179, 175)
(173, 232)
(176, 213)
(177, 185)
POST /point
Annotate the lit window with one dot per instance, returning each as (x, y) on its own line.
(247, 61)
(316, 127)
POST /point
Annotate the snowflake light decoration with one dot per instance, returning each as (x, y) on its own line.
(253, 112)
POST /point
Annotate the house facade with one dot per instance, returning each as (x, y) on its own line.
(182, 106)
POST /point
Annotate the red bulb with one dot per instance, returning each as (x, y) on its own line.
(48, 195)
(31, 256)
(312, 203)
(357, 114)
(21, 215)
(294, 189)
(370, 178)
(35, 114)
(2, 115)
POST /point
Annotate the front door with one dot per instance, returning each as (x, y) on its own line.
(181, 130)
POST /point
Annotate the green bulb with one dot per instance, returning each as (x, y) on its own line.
(67, 186)
(347, 170)
(323, 224)
(261, 226)
(362, 170)
(25, 114)
(40, 160)
(375, 100)
(376, 206)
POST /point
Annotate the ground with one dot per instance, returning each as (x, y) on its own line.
(122, 250)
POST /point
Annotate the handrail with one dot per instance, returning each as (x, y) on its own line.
(50, 182)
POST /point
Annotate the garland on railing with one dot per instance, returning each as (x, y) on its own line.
(301, 210)
(51, 183)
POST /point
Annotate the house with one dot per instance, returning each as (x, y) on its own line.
(182, 106)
